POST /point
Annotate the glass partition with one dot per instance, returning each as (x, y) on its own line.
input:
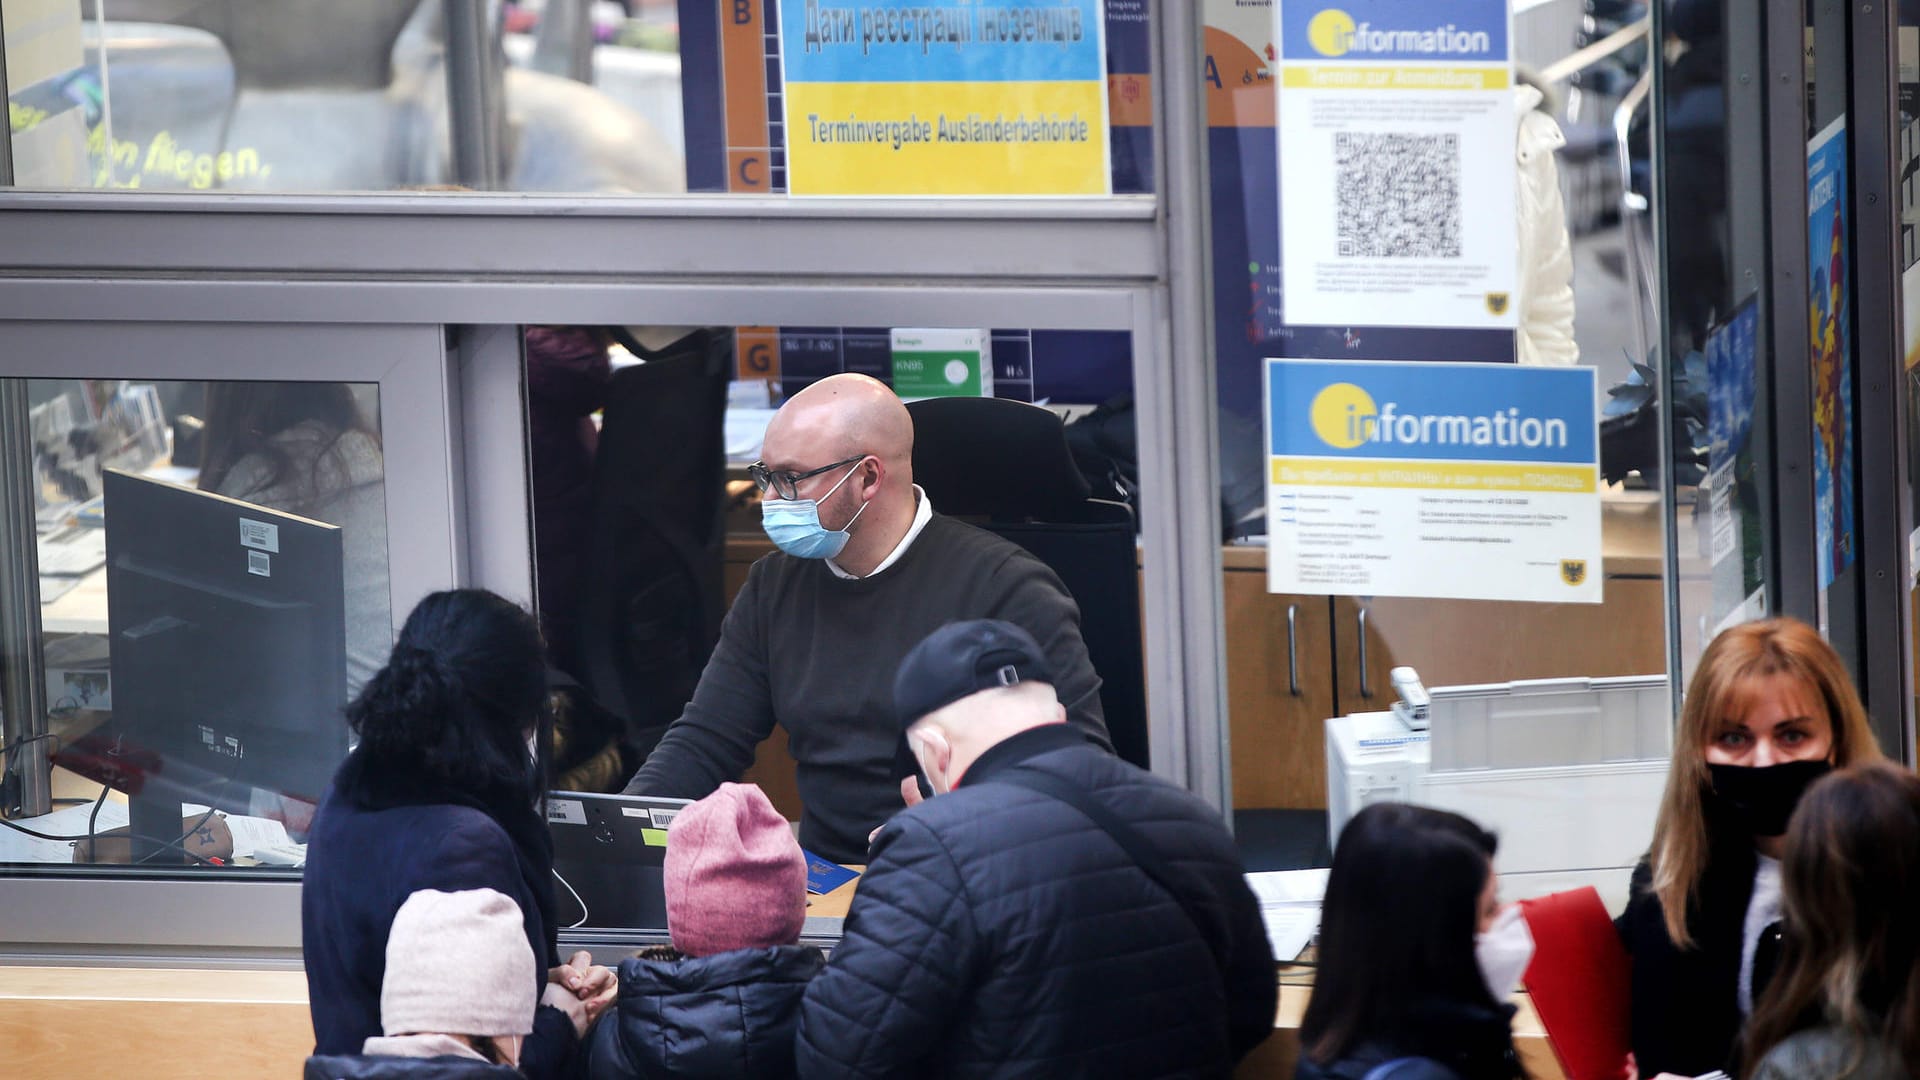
(213, 580)
(647, 522)
(565, 96)
(1580, 193)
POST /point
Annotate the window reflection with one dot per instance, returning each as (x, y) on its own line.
(633, 97)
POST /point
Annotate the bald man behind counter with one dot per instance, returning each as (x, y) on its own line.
(865, 570)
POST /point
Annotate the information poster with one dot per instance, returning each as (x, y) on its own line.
(1832, 349)
(1424, 479)
(1397, 186)
(995, 97)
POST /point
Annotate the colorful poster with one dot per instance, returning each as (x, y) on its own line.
(1832, 350)
(998, 97)
(1457, 481)
(1736, 525)
(1397, 185)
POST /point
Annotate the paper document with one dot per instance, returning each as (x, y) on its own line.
(1290, 907)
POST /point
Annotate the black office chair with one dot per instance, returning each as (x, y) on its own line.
(1007, 464)
(652, 603)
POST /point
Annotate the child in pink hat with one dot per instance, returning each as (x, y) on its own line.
(723, 1000)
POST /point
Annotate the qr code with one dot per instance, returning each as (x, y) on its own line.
(1398, 195)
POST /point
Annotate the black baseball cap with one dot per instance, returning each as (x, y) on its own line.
(963, 658)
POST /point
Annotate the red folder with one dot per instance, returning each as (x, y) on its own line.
(1579, 981)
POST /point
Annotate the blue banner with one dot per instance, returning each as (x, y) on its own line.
(1431, 411)
(1452, 31)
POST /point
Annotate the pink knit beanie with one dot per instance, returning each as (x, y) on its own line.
(735, 877)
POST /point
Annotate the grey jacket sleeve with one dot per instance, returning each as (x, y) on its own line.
(1032, 597)
(731, 712)
(900, 972)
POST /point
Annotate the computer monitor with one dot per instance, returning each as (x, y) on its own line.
(228, 656)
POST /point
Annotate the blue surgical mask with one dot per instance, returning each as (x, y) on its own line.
(794, 525)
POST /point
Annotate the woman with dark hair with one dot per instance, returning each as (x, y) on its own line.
(1769, 710)
(1417, 958)
(1846, 1000)
(444, 791)
(305, 448)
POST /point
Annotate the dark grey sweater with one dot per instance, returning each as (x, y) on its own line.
(817, 654)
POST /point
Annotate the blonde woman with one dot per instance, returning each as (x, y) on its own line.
(1770, 710)
(1846, 1002)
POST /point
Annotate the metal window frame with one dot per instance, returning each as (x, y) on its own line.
(77, 913)
(1883, 576)
(481, 264)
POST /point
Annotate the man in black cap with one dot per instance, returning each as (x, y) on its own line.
(1052, 909)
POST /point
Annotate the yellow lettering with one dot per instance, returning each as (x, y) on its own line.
(246, 163)
(203, 171)
(158, 152)
(223, 166)
(182, 164)
(125, 153)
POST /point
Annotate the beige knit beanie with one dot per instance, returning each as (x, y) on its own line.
(458, 963)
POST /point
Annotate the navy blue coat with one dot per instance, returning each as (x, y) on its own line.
(361, 866)
(1434, 1041)
(376, 1067)
(729, 1016)
(1000, 932)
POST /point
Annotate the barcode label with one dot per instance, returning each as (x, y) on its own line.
(259, 563)
(261, 535)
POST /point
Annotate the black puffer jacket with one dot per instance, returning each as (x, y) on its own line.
(377, 1067)
(1000, 932)
(727, 1015)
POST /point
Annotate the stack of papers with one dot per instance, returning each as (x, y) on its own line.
(1290, 907)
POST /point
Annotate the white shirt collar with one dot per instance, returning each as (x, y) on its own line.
(921, 515)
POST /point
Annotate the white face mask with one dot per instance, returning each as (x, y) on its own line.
(1504, 952)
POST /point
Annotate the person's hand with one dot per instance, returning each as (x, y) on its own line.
(909, 794)
(594, 984)
(561, 998)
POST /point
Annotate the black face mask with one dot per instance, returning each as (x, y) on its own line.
(1762, 799)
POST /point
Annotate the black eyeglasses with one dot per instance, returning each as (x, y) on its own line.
(787, 484)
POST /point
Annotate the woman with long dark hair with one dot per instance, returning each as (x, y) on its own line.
(1769, 710)
(1846, 1000)
(1410, 920)
(444, 791)
(305, 448)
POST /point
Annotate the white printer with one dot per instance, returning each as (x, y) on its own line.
(1567, 772)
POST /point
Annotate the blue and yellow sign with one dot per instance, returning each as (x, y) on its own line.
(1397, 185)
(1370, 31)
(987, 98)
(1475, 481)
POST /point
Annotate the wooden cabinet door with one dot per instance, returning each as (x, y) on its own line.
(1458, 642)
(1279, 693)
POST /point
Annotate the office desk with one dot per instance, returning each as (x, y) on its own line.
(83, 610)
(834, 904)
